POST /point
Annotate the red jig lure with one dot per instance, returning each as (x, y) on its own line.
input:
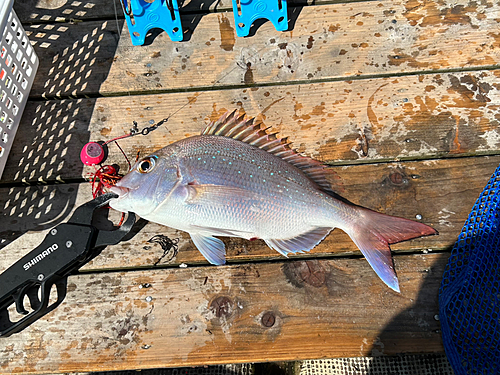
(95, 153)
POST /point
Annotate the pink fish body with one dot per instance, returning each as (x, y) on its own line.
(235, 180)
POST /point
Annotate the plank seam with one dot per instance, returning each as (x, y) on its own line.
(204, 89)
(277, 260)
(62, 20)
(345, 163)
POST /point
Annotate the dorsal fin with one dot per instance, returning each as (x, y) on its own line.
(238, 127)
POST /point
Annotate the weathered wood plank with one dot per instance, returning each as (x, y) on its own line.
(360, 121)
(63, 10)
(336, 308)
(327, 42)
(442, 192)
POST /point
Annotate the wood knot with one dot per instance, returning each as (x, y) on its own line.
(398, 178)
(222, 306)
(309, 272)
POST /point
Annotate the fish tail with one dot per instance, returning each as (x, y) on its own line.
(373, 232)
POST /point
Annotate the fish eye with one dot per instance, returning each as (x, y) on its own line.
(146, 165)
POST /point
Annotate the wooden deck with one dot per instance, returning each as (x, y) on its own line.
(401, 98)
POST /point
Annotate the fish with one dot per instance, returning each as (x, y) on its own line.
(236, 179)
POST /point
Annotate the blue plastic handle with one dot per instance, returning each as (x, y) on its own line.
(143, 16)
(247, 12)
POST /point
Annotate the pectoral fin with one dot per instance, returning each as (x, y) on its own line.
(218, 195)
(212, 248)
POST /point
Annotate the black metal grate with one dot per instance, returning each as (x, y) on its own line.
(238, 369)
(421, 364)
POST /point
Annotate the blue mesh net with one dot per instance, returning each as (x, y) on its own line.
(469, 297)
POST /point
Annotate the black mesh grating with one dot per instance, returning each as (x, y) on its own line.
(419, 364)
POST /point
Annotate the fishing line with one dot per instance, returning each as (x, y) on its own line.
(95, 153)
(128, 12)
(147, 130)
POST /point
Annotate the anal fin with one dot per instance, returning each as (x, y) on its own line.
(301, 243)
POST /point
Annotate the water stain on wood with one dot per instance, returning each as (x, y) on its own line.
(194, 98)
(399, 57)
(427, 14)
(334, 28)
(227, 38)
(473, 93)
(310, 42)
(248, 77)
(217, 113)
(105, 132)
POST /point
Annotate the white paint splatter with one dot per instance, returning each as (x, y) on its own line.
(444, 215)
(492, 138)
(362, 348)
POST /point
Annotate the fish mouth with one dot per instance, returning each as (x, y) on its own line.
(121, 191)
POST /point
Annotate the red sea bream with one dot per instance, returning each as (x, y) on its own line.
(236, 180)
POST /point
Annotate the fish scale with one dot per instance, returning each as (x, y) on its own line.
(237, 180)
(247, 171)
(252, 170)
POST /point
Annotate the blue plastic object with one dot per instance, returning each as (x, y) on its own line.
(247, 12)
(469, 297)
(142, 16)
